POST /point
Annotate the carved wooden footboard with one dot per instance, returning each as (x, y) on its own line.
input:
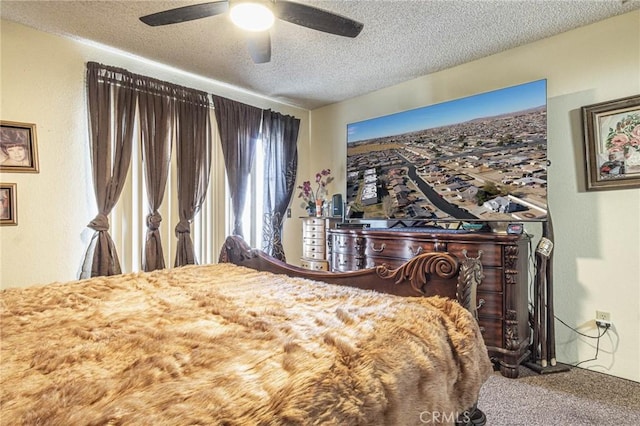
(427, 274)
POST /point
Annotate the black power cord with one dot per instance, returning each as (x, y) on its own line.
(605, 326)
(605, 330)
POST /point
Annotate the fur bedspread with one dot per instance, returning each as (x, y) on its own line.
(223, 344)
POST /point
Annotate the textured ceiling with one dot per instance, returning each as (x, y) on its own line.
(401, 40)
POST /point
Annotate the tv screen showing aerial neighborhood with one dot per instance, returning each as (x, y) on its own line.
(480, 158)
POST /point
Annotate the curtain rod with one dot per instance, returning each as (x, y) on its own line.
(142, 84)
(166, 88)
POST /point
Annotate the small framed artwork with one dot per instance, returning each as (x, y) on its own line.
(612, 143)
(18, 147)
(8, 204)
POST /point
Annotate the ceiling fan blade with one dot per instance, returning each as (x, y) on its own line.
(259, 45)
(186, 13)
(317, 19)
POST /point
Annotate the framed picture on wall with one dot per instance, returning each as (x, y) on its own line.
(612, 143)
(18, 147)
(8, 204)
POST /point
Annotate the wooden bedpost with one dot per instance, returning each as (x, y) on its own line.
(469, 278)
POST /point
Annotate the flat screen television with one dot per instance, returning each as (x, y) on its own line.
(478, 158)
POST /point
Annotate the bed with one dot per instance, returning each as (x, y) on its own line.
(247, 341)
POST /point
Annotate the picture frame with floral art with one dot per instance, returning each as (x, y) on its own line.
(8, 204)
(18, 147)
(612, 143)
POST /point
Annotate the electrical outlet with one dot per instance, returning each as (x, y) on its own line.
(603, 319)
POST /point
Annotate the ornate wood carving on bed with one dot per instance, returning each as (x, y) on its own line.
(244, 344)
(428, 274)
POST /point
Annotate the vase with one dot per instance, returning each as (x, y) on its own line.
(311, 208)
(319, 208)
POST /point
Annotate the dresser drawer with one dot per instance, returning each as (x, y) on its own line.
(347, 244)
(313, 221)
(491, 331)
(493, 279)
(309, 241)
(491, 253)
(389, 248)
(344, 262)
(315, 265)
(313, 230)
(314, 235)
(489, 304)
(407, 248)
(391, 263)
(313, 252)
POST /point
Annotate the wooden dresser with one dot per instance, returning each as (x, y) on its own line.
(502, 295)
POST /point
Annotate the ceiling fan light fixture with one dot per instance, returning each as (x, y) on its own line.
(252, 16)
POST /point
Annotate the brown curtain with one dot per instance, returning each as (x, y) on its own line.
(112, 103)
(239, 128)
(193, 150)
(280, 144)
(156, 119)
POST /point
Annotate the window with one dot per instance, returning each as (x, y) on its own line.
(209, 228)
(252, 216)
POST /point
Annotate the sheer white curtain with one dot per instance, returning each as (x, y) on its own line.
(252, 215)
(209, 226)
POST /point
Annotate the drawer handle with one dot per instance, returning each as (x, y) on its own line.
(481, 303)
(373, 247)
(417, 252)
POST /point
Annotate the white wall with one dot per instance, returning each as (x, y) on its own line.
(42, 82)
(597, 234)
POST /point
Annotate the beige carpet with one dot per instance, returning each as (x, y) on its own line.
(578, 397)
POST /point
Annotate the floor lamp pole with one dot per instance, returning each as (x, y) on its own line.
(543, 351)
(547, 228)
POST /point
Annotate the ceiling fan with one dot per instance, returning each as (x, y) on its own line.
(259, 40)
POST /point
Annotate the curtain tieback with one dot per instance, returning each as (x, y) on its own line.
(183, 227)
(99, 223)
(153, 221)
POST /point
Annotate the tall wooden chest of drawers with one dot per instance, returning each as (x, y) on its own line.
(502, 295)
(314, 244)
